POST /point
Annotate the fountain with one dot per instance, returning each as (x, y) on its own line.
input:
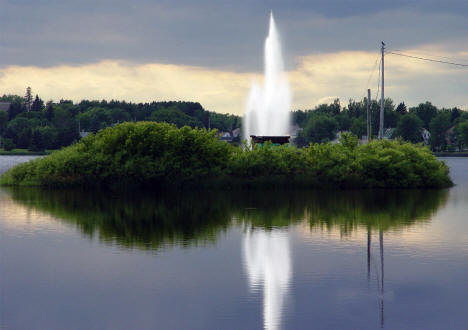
(267, 112)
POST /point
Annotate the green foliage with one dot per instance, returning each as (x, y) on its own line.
(3, 122)
(8, 145)
(358, 127)
(161, 155)
(409, 128)
(144, 153)
(65, 119)
(37, 105)
(37, 141)
(401, 109)
(438, 127)
(320, 128)
(462, 133)
(426, 112)
(174, 116)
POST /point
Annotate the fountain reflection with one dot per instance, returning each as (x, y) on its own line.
(154, 221)
(268, 264)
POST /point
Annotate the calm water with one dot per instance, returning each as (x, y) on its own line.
(221, 260)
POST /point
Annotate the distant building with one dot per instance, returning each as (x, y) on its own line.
(5, 106)
(426, 135)
(233, 136)
(236, 132)
(225, 136)
(388, 133)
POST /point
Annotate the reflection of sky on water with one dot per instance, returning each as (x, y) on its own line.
(268, 265)
(51, 276)
(19, 220)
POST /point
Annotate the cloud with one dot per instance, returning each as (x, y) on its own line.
(316, 78)
(216, 34)
(216, 90)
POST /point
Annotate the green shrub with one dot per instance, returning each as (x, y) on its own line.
(8, 144)
(162, 155)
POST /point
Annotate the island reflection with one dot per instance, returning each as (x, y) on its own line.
(154, 220)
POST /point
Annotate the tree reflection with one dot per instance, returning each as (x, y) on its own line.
(153, 220)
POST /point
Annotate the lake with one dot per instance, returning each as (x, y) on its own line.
(235, 260)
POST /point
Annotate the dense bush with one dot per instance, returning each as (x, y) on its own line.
(161, 155)
(143, 154)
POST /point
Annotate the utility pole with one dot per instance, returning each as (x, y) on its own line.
(369, 130)
(381, 131)
(381, 278)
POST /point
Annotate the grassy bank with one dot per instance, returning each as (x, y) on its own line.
(23, 152)
(160, 155)
(452, 154)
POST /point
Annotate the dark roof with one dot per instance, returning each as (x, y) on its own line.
(4, 106)
(273, 139)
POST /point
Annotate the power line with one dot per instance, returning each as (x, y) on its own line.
(371, 75)
(428, 59)
(423, 54)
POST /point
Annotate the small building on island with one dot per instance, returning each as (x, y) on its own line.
(275, 140)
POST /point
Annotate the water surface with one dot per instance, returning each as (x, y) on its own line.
(235, 260)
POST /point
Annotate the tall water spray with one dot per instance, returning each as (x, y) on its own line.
(267, 109)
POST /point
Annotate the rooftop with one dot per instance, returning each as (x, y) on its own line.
(4, 106)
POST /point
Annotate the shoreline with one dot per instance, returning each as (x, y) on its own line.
(24, 152)
(451, 154)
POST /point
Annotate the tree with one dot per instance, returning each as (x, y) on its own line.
(15, 109)
(409, 128)
(49, 111)
(320, 129)
(15, 127)
(438, 128)
(8, 145)
(24, 138)
(401, 109)
(455, 114)
(358, 127)
(37, 141)
(425, 112)
(462, 133)
(37, 105)
(49, 137)
(3, 122)
(67, 127)
(28, 99)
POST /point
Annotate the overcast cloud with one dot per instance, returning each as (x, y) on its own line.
(227, 36)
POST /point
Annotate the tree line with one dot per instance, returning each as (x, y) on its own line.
(448, 128)
(32, 124)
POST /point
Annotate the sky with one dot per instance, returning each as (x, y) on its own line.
(210, 51)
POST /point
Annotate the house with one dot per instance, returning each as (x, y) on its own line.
(426, 135)
(232, 136)
(388, 133)
(236, 132)
(4, 106)
(225, 136)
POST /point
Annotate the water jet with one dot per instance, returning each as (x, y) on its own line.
(267, 111)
